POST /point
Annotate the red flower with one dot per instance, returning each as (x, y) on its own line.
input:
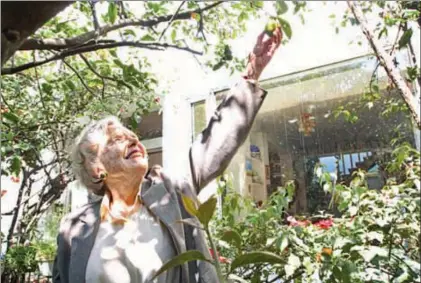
(221, 258)
(324, 223)
(157, 100)
(15, 179)
(3, 192)
(294, 222)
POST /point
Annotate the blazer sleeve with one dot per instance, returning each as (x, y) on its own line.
(56, 272)
(228, 128)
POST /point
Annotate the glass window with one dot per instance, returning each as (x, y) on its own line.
(297, 128)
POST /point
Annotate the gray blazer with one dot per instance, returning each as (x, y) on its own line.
(210, 155)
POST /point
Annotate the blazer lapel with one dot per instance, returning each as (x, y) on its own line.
(83, 242)
(164, 205)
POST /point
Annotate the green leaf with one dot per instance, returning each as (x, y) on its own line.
(405, 38)
(173, 34)
(232, 236)
(129, 32)
(236, 278)
(70, 84)
(283, 242)
(242, 17)
(373, 235)
(255, 257)
(112, 12)
(286, 27)
(258, 4)
(218, 65)
(180, 260)
(113, 53)
(119, 63)
(292, 265)
(47, 88)
(189, 205)
(206, 210)
(12, 117)
(15, 165)
(371, 252)
(281, 7)
(147, 37)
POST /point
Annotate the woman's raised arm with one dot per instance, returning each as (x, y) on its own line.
(213, 149)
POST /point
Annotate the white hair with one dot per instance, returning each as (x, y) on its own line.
(84, 154)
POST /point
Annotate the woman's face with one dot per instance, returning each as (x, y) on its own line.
(123, 154)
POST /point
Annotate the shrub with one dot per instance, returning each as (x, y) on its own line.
(376, 238)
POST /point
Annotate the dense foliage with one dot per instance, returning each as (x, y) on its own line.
(376, 238)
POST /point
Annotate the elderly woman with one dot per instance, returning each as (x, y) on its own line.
(127, 235)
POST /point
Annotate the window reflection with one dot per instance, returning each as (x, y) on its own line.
(298, 128)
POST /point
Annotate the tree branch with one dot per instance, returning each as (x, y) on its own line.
(60, 43)
(102, 76)
(80, 78)
(94, 17)
(93, 47)
(20, 19)
(171, 20)
(95, 72)
(387, 62)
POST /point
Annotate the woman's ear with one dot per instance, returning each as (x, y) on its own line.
(95, 173)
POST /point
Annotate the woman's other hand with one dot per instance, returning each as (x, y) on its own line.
(262, 53)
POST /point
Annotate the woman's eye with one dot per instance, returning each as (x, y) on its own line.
(118, 139)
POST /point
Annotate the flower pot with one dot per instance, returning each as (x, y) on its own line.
(46, 267)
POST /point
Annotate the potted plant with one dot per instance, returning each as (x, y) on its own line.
(45, 253)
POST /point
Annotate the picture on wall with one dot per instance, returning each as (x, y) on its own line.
(249, 167)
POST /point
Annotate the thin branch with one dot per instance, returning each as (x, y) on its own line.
(95, 72)
(390, 53)
(37, 80)
(412, 53)
(94, 17)
(171, 20)
(123, 14)
(102, 76)
(4, 101)
(387, 62)
(60, 43)
(80, 78)
(16, 209)
(94, 47)
(197, 60)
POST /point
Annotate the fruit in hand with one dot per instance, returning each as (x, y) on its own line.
(271, 26)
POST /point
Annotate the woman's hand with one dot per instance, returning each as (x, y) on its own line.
(262, 53)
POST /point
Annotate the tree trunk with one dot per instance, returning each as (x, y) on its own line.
(386, 61)
(20, 19)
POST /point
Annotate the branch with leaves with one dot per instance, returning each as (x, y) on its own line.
(386, 61)
(89, 41)
(94, 46)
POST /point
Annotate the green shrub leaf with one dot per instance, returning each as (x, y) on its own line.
(232, 236)
(189, 205)
(206, 210)
(255, 257)
(181, 259)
